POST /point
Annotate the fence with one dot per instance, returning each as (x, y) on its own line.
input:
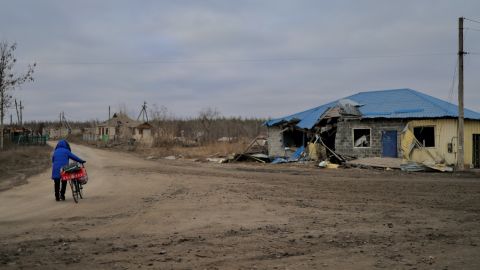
(89, 137)
(29, 140)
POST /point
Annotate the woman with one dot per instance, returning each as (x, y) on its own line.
(60, 158)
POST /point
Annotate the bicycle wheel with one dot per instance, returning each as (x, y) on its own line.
(74, 190)
(79, 189)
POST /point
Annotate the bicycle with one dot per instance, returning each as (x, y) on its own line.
(77, 176)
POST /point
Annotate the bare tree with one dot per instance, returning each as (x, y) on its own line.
(207, 117)
(9, 81)
(159, 113)
(123, 109)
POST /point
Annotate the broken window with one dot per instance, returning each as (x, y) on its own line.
(425, 135)
(361, 137)
(293, 138)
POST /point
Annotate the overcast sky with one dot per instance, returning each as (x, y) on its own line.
(245, 58)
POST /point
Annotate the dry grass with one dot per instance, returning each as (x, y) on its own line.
(15, 157)
(209, 150)
(18, 163)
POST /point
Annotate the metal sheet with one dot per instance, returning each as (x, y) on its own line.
(396, 103)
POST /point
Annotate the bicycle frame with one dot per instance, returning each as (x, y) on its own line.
(73, 180)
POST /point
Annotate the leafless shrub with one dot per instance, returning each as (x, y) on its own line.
(207, 128)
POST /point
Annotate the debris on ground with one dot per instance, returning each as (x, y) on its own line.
(328, 165)
(298, 155)
(218, 160)
(434, 160)
(376, 162)
(411, 166)
(257, 151)
(279, 160)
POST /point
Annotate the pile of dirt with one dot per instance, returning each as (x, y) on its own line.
(17, 164)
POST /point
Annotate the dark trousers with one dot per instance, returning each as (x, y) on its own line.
(57, 188)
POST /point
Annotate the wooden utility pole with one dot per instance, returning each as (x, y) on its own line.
(21, 113)
(18, 114)
(460, 135)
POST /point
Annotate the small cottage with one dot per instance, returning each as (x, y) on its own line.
(122, 128)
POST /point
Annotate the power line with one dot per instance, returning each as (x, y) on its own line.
(452, 86)
(220, 61)
(465, 35)
(471, 29)
(472, 20)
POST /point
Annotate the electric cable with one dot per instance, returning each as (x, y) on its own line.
(266, 60)
(472, 20)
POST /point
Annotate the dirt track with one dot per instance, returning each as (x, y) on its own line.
(186, 215)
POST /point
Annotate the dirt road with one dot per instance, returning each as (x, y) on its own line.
(141, 214)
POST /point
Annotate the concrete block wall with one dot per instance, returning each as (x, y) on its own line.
(275, 142)
(344, 136)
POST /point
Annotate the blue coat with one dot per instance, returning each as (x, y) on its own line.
(61, 157)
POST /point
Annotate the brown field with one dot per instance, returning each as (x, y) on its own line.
(200, 152)
(18, 163)
(145, 214)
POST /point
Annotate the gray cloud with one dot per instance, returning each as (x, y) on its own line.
(247, 58)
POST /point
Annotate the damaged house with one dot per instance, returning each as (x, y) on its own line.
(121, 128)
(389, 123)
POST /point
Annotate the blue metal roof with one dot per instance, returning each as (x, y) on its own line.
(395, 103)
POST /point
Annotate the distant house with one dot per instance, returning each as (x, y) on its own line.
(56, 133)
(121, 128)
(143, 133)
(388, 123)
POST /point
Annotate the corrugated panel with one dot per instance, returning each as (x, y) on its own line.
(406, 103)
(396, 103)
(445, 133)
(307, 119)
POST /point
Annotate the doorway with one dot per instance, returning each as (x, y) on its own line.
(389, 143)
(476, 151)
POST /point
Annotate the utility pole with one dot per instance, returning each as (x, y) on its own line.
(18, 114)
(143, 112)
(21, 113)
(64, 123)
(460, 135)
(108, 112)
